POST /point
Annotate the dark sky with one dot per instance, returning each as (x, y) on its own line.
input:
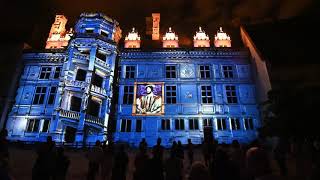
(30, 21)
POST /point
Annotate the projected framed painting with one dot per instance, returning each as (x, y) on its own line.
(148, 99)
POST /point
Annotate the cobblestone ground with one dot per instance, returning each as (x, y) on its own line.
(22, 160)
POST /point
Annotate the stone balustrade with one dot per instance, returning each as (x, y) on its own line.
(75, 83)
(98, 90)
(93, 119)
(70, 114)
(80, 56)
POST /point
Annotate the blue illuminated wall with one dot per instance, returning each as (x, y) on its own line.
(67, 93)
(202, 98)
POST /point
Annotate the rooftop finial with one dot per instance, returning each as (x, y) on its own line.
(170, 29)
(133, 29)
(200, 29)
(221, 29)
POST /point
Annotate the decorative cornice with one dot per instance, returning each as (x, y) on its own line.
(181, 53)
(45, 57)
(98, 15)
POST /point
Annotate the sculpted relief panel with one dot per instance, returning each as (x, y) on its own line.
(187, 71)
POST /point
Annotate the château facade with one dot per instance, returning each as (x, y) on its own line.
(169, 92)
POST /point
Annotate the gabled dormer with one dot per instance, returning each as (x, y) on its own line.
(132, 40)
(170, 40)
(201, 39)
(221, 39)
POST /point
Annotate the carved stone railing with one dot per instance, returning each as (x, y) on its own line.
(103, 64)
(69, 114)
(80, 56)
(75, 83)
(98, 90)
(93, 119)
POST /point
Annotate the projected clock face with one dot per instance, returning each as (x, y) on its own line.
(187, 71)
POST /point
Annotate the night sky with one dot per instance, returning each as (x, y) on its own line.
(30, 21)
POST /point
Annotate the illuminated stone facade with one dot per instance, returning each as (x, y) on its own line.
(170, 39)
(132, 40)
(221, 39)
(58, 36)
(173, 93)
(201, 39)
(67, 93)
(203, 89)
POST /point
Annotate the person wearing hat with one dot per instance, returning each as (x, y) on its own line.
(149, 103)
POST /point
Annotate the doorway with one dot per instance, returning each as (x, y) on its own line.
(70, 134)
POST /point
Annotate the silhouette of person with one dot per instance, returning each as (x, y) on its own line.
(107, 162)
(173, 167)
(141, 163)
(149, 103)
(94, 155)
(158, 150)
(45, 164)
(180, 152)
(198, 171)
(62, 165)
(258, 164)
(119, 169)
(190, 152)
(143, 145)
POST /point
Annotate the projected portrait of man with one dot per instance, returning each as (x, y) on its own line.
(150, 103)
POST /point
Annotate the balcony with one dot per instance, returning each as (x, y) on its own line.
(102, 64)
(98, 90)
(76, 116)
(76, 84)
(69, 114)
(93, 119)
(81, 57)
